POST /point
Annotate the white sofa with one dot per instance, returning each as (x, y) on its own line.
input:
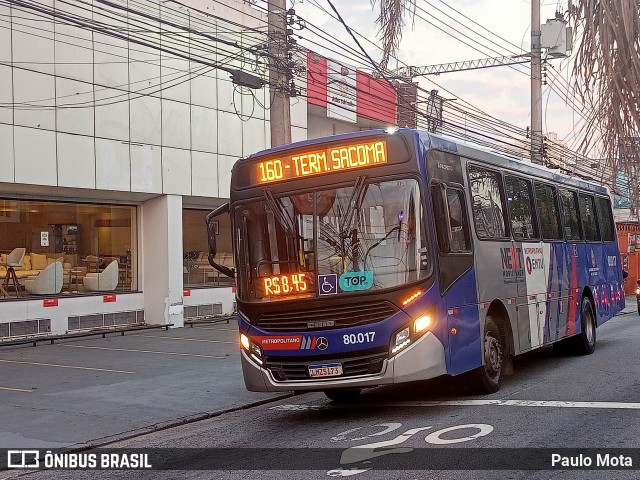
(103, 281)
(47, 282)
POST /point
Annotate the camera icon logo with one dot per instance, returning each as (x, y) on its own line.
(23, 459)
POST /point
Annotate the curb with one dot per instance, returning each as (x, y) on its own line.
(101, 442)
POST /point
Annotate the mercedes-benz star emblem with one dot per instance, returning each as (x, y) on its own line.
(322, 343)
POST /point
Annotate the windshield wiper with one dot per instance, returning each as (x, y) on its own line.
(279, 212)
(355, 201)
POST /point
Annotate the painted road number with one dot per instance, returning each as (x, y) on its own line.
(328, 370)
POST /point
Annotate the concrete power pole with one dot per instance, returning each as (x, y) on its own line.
(536, 85)
(280, 111)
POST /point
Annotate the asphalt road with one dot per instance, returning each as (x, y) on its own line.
(550, 402)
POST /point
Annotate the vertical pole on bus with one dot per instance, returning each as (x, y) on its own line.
(536, 85)
(280, 112)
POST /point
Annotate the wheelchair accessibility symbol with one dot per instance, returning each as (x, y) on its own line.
(328, 284)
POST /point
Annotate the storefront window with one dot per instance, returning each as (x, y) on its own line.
(196, 269)
(69, 248)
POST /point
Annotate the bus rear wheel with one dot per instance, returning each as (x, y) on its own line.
(343, 395)
(488, 378)
(585, 342)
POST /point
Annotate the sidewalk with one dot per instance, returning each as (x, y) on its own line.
(90, 390)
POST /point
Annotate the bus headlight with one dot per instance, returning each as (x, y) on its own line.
(256, 353)
(402, 339)
(253, 349)
(411, 332)
(421, 323)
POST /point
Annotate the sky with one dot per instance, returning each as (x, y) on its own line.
(436, 34)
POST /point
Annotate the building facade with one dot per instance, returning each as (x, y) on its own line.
(119, 126)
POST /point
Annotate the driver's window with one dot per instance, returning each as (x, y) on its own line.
(452, 226)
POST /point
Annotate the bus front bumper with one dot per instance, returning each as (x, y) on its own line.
(423, 360)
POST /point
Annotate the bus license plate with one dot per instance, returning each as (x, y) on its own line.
(328, 370)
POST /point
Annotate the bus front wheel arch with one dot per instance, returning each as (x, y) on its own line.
(488, 378)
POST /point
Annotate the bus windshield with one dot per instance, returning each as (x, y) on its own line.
(339, 241)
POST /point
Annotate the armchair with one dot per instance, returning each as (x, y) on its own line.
(103, 281)
(47, 282)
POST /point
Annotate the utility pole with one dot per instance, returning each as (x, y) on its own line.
(536, 84)
(280, 111)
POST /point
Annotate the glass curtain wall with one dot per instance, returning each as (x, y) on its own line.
(92, 245)
(196, 270)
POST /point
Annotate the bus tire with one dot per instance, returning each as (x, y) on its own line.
(585, 342)
(488, 378)
(343, 395)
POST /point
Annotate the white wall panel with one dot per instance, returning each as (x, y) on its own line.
(229, 134)
(36, 89)
(6, 158)
(225, 164)
(205, 174)
(76, 161)
(176, 171)
(254, 136)
(298, 134)
(5, 34)
(204, 129)
(203, 90)
(112, 165)
(299, 112)
(111, 70)
(145, 110)
(146, 168)
(175, 75)
(35, 154)
(112, 116)
(6, 89)
(146, 120)
(225, 93)
(176, 120)
(74, 100)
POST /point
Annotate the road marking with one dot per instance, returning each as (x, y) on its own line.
(185, 339)
(141, 351)
(66, 366)
(472, 403)
(15, 389)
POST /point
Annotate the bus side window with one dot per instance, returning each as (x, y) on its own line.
(459, 227)
(439, 217)
(605, 219)
(571, 220)
(488, 203)
(523, 225)
(588, 215)
(547, 207)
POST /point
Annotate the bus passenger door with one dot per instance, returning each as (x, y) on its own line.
(456, 277)
(529, 258)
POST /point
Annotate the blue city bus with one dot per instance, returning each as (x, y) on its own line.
(381, 257)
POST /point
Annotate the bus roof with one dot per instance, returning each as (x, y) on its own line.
(458, 146)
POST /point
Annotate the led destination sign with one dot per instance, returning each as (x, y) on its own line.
(287, 284)
(316, 162)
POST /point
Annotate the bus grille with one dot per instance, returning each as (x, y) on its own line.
(326, 318)
(284, 369)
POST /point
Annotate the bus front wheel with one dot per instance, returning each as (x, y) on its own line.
(488, 378)
(343, 395)
(585, 341)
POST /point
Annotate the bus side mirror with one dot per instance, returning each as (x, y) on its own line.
(212, 241)
(625, 274)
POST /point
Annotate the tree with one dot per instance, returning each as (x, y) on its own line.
(390, 22)
(607, 70)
